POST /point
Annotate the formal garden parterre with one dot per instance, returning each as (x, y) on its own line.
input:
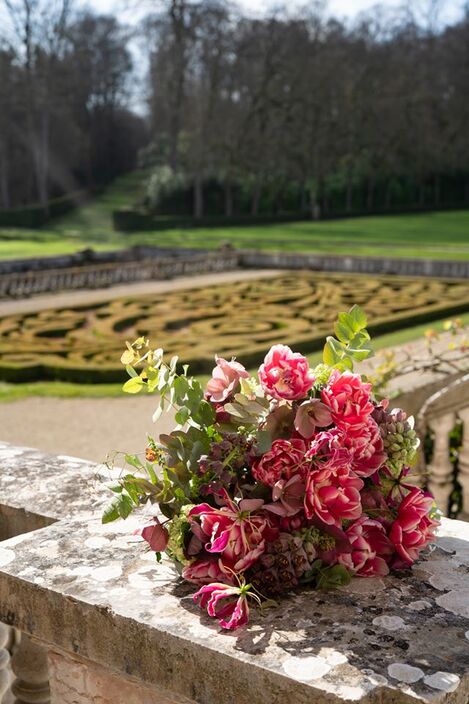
(84, 344)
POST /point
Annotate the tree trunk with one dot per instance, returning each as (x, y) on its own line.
(228, 198)
(4, 189)
(370, 194)
(466, 190)
(422, 193)
(348, 194)
(314, 205)
(256, 197)
(436, 189)
(198, 197)
(387, 196)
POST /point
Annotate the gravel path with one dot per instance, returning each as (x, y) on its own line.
(82, 427)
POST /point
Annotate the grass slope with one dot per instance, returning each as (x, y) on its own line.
(436, 235)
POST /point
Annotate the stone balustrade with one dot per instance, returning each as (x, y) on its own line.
(89, 269)
(28, 283)
(445, 474)
(101, 621)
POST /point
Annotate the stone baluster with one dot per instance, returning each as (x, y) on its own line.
(440, 470)
(29, 665)
(463, 475)
(5, 671)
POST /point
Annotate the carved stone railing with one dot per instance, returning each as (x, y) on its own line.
(112, 626)
(446, 472)
(22, 284)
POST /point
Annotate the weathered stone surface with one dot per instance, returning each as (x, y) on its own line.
(76, 681)
(90, 590)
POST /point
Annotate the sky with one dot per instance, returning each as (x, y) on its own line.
(346, 9)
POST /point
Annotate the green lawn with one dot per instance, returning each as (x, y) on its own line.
(435, 235)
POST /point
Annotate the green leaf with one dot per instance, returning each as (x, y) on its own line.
(333, 577)
(205, 413)
(358, 317)
(124, 505)
(110, 513)
(183, 415)
(134, 385)
(133, 461)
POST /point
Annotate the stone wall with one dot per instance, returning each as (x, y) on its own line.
(402, 266)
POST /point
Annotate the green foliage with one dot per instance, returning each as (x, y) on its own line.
(352, 342)
(326, 578)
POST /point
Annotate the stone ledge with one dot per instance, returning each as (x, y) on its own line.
(91, 591)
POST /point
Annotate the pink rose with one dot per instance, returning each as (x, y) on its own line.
(371, 548)
(413, 528)
(333, 495)
(206, 570)
(155, 534)
(285, 374)
(225, 380)
(348, 399)
(228, 604)
(234, 531)
(284, 459)
(311, 415)
(367, 448)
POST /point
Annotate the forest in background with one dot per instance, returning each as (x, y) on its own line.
(289, 112)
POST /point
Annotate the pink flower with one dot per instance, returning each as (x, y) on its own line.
(367, 448)
(413, 528)
(371, 548)
(237, 533)
(348, 398)
(228, 604)
(284, 459)
(155, 534)
(225, 379)
(328, 451)
(206, 570)
(310, 415)
(333, 495)
(288, 496)
(285, 374)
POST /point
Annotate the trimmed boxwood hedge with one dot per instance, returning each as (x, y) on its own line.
(84, 344)
(35, 216)
(129, 220)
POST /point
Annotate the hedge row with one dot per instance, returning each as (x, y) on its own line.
(84, 344)
(129, 220)
(35, 216)
(132, 220)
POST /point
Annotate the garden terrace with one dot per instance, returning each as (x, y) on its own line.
(84, 343)
(117, 627)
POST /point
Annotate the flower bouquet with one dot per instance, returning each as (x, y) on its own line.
(295, 477)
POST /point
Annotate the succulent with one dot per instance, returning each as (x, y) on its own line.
(285, 562)
(399, 437)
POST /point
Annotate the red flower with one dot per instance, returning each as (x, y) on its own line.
(371, 548)
(228, 604)
(333, 495)
(225, 380)
(328, 451)
(367, 448)
(413, 528)
(285, 374)
(234, 531)
(205, 570)
(284, 459)
(155, 534)
(348, 398)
